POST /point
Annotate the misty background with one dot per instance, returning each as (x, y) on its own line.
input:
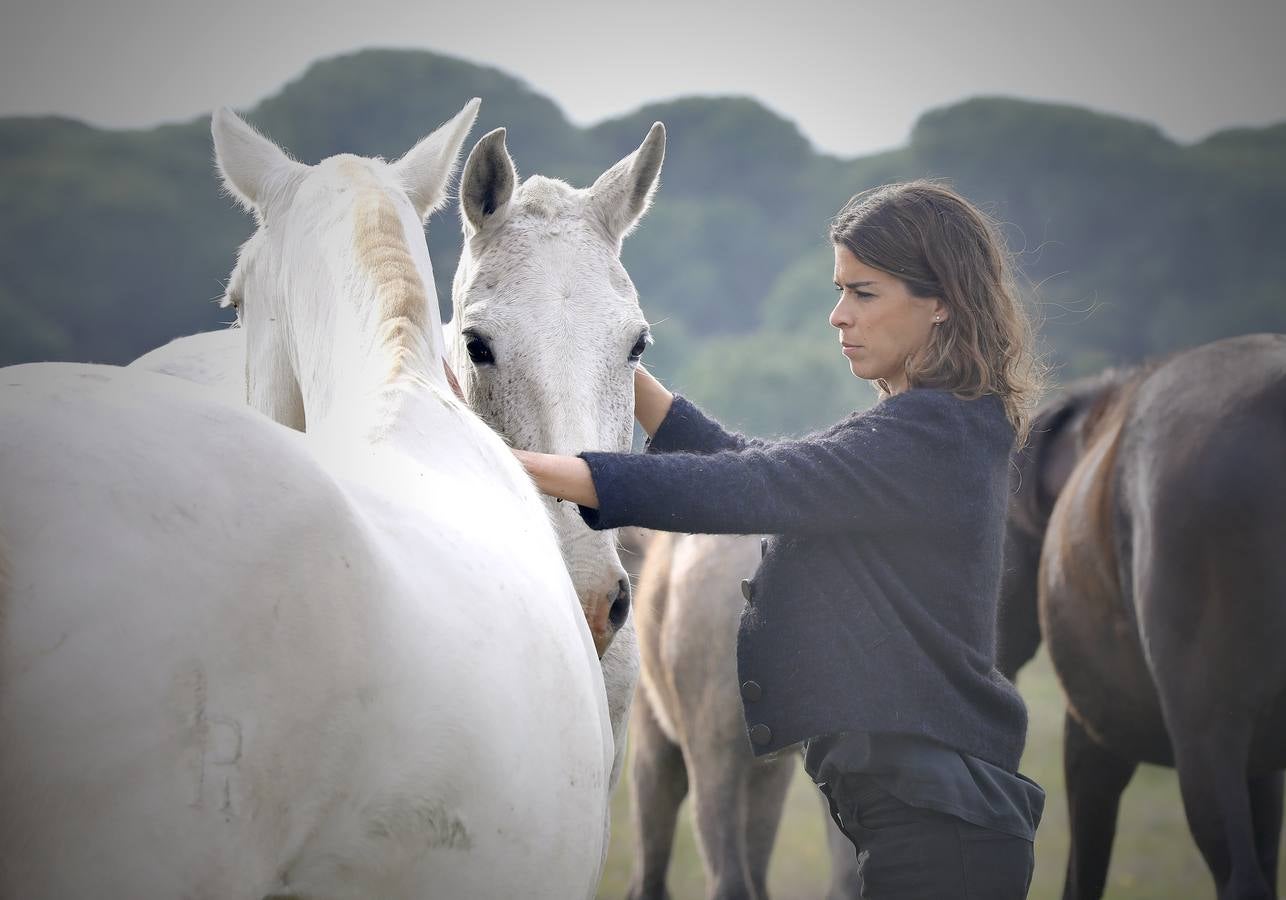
(1135, 155)
(113, 241)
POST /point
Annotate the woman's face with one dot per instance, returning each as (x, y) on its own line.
(880, 322)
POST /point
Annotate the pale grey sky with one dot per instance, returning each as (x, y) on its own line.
(853, 75)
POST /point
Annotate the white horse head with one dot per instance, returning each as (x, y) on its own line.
(547, 329)
(351, 227)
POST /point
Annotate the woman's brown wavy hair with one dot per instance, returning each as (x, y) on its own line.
(940, 245)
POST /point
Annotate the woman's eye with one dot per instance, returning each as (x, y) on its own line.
(863, 295)
(479, 352)
(636, 352)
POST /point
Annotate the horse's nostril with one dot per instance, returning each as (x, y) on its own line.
(620, 610)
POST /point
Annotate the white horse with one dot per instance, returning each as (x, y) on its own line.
(545, 334)
(240, 661)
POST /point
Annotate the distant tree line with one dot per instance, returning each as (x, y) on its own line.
(112, 242)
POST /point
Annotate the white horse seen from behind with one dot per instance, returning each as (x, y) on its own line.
(241, 661)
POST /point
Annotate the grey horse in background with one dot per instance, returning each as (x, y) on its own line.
(1147, 546)
(687, 727)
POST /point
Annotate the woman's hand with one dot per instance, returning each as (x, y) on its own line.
(564, 477)
(651, 400)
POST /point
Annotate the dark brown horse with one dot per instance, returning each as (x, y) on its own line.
(1147, 543)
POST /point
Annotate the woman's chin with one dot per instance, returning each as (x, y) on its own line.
(860, 370)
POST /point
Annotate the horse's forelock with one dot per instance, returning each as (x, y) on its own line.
(554, 246)
(549, 198)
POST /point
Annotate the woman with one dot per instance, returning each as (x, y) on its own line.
(868, 634)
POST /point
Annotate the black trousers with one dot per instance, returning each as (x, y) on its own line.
(905, 852)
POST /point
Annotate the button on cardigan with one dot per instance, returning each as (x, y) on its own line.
(873, 608)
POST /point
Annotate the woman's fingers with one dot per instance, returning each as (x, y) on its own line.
(564, 477)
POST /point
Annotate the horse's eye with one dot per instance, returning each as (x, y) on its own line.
(639, 346)
(479, 352)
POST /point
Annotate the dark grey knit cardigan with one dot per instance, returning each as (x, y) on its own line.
(874, 607)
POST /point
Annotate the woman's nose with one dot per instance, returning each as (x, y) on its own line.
(839, 316)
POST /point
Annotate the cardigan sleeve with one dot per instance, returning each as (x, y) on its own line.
(889, 468)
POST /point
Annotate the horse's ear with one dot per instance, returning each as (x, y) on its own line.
(427, 168)
(250, 164)
(623, 193)
(488, 182)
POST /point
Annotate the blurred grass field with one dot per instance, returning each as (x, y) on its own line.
(1154, 857)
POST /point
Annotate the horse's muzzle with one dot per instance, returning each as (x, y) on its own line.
(606, 616)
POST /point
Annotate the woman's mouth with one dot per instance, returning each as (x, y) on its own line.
(849, 349)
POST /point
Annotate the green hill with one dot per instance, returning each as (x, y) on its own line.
(111, 242)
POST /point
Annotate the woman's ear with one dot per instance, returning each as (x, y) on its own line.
(940, 311)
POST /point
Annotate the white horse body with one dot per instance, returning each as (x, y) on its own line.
(237, 660)
(215, 359)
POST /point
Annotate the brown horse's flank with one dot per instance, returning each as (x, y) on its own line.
(1082, 556)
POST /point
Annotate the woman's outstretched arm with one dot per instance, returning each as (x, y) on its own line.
(891, 467)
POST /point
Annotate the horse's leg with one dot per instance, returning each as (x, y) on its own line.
(1208, 678)
(769, 781)
(720, 780)
(845, 884)
(1095, 779)
(1266, 812)
(658, 784)
(1210, 755)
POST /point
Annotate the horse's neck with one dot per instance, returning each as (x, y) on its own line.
(384, 397)
(404, 430)
(362, 376)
